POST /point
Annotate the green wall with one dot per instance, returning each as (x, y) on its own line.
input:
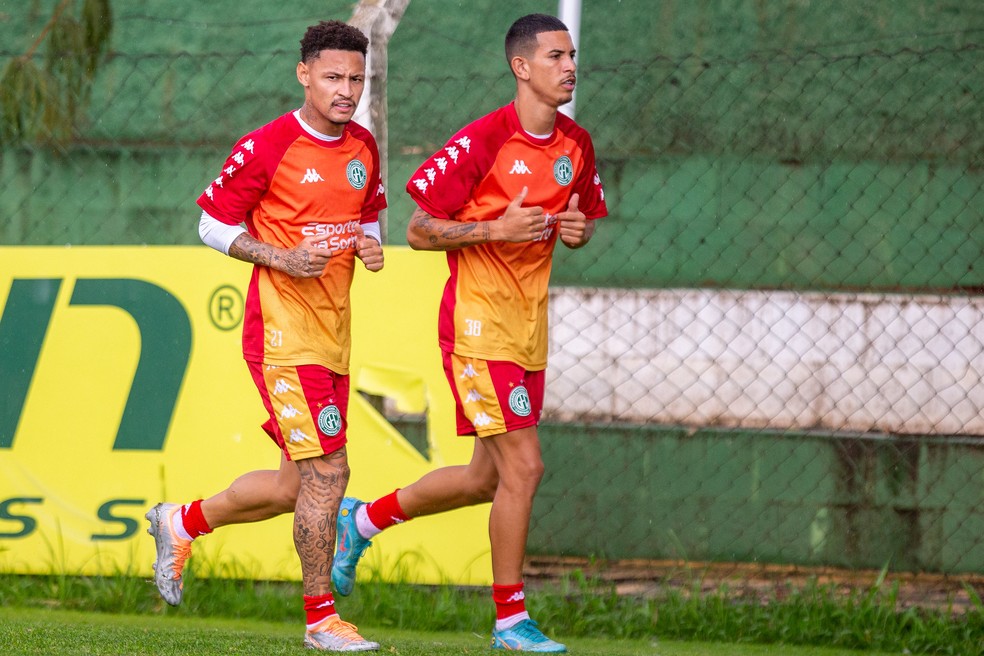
(913, 503)
(752, 144)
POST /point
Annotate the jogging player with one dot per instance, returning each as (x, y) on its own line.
(497, 197)
(307, 187)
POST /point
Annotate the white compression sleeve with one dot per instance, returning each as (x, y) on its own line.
(216, 234)
(372, 230)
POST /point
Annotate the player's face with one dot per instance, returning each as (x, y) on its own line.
(333, 84)
(552, 68)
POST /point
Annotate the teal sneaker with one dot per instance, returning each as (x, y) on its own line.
(525, 636)
(349, 547)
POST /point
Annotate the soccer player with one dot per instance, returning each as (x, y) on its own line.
(496, 197)
(307, 186)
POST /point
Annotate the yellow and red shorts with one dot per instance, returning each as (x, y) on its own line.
(493, 396)
(308, 406)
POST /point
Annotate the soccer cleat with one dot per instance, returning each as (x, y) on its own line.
(172, 552)
(525, 636)
(333, 634)
(349, 549)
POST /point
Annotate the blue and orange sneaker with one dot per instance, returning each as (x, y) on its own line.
(349, 547)
(525, 636)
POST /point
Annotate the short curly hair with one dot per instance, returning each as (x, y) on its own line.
(332, 35)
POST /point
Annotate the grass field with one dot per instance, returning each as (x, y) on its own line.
(62, 614)
(33, 632)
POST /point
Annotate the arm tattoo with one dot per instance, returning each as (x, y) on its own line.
(446, 235)
(249, 249)
(458, 231)
(292, 262)
(422, 219)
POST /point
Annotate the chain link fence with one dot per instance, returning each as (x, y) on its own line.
(772, 351)
(770, 357)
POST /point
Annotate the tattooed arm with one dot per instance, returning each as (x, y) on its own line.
(517, 224)
(427, 233)
(306, 260)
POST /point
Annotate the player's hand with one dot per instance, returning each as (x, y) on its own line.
(306, 260)
(518, 223)
(574, 228)
(368, 249)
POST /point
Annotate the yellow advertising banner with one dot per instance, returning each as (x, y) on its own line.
(123, 385)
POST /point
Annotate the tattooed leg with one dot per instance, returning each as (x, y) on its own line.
(323, 483)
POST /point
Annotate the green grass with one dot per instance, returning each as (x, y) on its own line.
(576, 610)
(32, 632)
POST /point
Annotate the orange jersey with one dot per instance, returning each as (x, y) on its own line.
(286, 183)
(495, 302)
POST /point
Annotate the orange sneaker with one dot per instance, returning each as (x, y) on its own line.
(333, 634)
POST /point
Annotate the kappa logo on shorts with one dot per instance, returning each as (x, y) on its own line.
(330, 421)
(563, 170)
(519, 402)
(289, 412)
(297, 435)
(481, 419)
(282, 386)
(356, 174)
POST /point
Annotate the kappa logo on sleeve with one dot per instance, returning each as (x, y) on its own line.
(449, 155)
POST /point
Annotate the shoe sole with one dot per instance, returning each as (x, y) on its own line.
(367, 646)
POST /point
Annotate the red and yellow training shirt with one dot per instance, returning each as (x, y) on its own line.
(495, 302)
(286, 183)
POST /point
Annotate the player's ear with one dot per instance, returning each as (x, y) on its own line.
(520, 67)
(302, 74)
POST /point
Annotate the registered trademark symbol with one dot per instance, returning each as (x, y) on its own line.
(225, 308)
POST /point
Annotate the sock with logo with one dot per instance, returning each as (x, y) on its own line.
(510, 605)
(373, 518)
(189, 522)
(317, 608)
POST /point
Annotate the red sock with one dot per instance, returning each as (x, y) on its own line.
(509, 600)
(319, 607)
(193, 519)
(386, 511)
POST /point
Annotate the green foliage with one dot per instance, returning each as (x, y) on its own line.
(44, 101)
(27, 100)
(822, 615)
